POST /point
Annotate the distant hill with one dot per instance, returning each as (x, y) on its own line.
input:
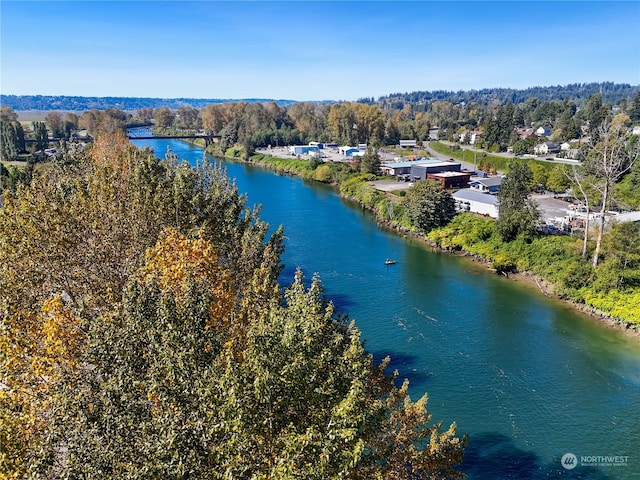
(63, 102)
(611, 93)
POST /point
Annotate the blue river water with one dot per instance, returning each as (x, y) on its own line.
(527, 378)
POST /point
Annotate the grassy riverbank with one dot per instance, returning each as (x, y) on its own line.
(553, 262)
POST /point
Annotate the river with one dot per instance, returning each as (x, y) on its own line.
(527, 378)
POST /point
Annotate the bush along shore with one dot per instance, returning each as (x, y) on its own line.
(552, 262)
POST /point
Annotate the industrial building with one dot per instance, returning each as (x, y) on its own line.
(468, 200)
(420, 170)
(302, 149)
(405, 168)
(451, 180)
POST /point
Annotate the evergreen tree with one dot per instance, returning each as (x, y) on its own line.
(8, 142)
(634, 109)
(370, 162)
(40, 135)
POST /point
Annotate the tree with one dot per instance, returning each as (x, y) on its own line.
(611, 157)
(517, 213)
(70, 123)
(595, 112)
(163, 347)
(634, 108)
(145, 114)
(620, 268)
(7, 114)
(53, 120)
(164, 117)
(40, 135)
(188, 117)
(557, 181)
(429, 205)
(89, 261)
(329, 412)
(370, 162)
(150, 392)
(8, 141)
(342, 123)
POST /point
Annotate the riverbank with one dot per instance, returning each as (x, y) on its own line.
(536, 281)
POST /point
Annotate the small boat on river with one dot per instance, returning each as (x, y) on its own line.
(388, 261)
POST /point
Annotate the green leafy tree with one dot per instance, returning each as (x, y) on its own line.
(308, 402)
(557, 180)
(620, 268)
(429, 205)
(517, 213)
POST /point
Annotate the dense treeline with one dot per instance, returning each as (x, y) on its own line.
(144, 335)
(579, 92)
(79, 104)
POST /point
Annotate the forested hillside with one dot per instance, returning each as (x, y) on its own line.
(144, 335)
(577, 92)
(71, 103)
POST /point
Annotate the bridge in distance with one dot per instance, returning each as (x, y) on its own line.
(144, 133)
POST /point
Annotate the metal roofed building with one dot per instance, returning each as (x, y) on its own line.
(403, 168)
(486, 185)
(469, 200)
(420, 171)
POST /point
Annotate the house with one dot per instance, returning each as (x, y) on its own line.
(470, 136)
(486, 185)
(469, 200)
(565, 146)
(408, 143)
(543, 131)
(302, 149)
(524, 133)
(317, 144)
(451, 179)
(546, 148)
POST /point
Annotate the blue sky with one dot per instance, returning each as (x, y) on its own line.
(303, 50)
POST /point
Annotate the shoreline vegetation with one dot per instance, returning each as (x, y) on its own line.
(388, 212)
